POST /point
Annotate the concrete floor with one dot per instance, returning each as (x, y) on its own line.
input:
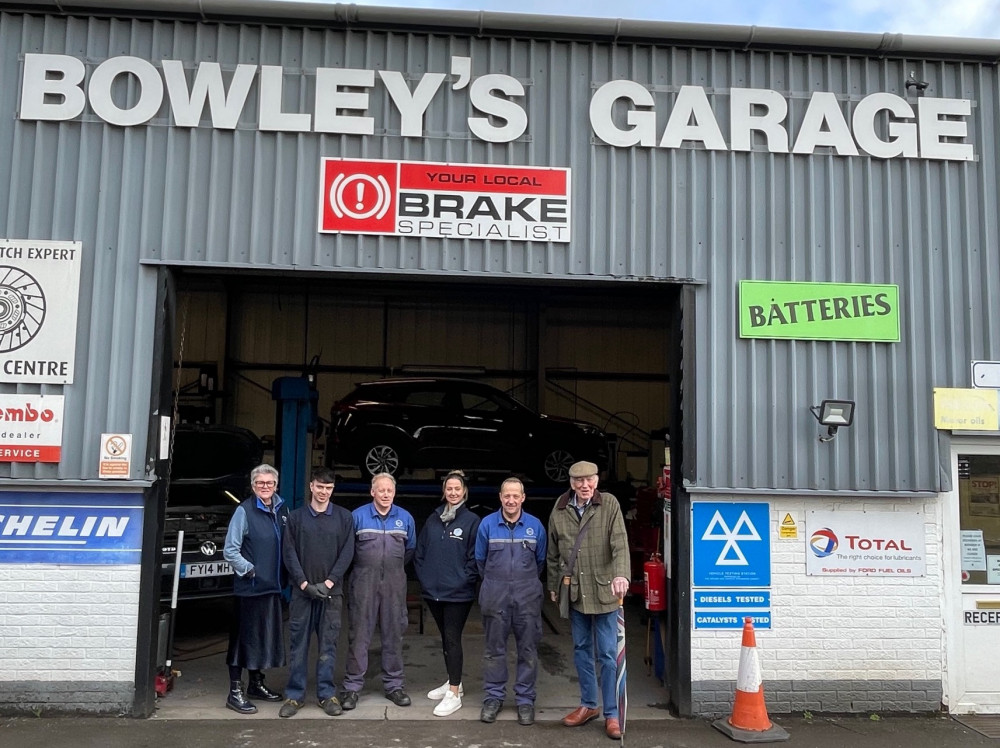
(200, 690)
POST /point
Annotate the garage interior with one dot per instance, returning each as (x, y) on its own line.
(607, 353)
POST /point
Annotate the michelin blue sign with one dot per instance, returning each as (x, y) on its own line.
(732, 545)
(70, 528)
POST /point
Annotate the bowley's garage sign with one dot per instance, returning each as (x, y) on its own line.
(819, 311)
(461, 201)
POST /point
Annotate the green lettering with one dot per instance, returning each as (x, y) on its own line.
(867, 309)
(790, 306)
(776, 315)
(757, 316)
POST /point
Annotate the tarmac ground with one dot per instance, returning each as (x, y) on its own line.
(193, 714)
(396, 731)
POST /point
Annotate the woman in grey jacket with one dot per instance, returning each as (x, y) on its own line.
(445, 563)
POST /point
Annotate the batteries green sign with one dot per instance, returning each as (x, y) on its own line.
(819, 311)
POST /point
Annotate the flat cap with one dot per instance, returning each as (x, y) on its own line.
(582, 469)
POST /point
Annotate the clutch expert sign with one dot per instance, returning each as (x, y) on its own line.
(451, 201)
(39, 293)
(819, 311)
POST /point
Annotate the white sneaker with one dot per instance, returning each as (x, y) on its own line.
(449, 705)
(438, 693)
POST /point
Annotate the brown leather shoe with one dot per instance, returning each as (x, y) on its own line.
(580, 716)
(612, 728)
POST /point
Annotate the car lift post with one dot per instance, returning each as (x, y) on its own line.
(295, 421)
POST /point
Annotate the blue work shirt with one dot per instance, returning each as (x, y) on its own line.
(502, 551)
(378, 538)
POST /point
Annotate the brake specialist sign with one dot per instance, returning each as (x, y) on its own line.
(819, 311)
(39, 290)
(456, 201)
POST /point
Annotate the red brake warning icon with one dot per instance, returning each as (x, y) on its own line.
(359, 196)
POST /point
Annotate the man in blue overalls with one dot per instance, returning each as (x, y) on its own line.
(385, 539)
(510, 554)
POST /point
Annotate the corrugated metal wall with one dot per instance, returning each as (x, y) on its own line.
(247, 198)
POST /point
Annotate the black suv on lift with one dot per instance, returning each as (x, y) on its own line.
(209, 476)
(395, 424)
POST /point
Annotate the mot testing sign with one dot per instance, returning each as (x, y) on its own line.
(444, 200)
(731, 544)
(865, 544)
(39, 293)
(31, 428)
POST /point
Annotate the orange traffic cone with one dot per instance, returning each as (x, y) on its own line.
(749, 722)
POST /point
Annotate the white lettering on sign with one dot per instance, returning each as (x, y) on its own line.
(14, 525)
(622, 113)
(53, 89)
(129, 91)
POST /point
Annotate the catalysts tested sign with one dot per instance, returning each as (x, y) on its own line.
(441, 200)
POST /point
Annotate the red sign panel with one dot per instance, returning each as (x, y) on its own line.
(427, 199)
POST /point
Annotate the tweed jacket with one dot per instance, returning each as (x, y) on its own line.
(603, 554)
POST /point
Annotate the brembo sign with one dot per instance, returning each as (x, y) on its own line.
(130, 91)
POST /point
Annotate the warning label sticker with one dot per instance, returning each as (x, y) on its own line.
(443, 200)
(788, 528)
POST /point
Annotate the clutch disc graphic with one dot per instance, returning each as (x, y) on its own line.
(22, 308)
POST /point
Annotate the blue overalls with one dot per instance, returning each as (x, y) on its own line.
(376, 593)
(510, 560)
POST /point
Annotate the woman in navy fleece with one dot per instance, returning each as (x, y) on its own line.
(445, 563)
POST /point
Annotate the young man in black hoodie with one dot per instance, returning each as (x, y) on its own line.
(317, 549)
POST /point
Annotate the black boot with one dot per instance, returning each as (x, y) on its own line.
(258, 690)
(237, 701)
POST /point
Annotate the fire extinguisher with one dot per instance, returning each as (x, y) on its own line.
(654, 573)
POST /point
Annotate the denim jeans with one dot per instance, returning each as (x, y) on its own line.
(307, 616)
(600, 630)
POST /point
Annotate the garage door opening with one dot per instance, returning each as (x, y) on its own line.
(606, 354)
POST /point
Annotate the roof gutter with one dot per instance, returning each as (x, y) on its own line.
(521, 24)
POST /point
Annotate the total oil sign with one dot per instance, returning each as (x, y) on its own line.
(442, 200)
(865, 544)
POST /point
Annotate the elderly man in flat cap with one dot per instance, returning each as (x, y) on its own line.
(588, 553)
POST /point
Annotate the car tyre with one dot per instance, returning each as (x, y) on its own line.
(556, 464)
(382, 456)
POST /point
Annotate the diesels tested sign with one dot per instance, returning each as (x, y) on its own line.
(442, 200)
(39, 293)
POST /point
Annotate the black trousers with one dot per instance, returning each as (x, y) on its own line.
(450, 619)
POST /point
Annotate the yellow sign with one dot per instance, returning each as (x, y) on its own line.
(966, 409)
(788, 528)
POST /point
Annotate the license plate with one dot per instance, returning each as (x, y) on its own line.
(209, 569)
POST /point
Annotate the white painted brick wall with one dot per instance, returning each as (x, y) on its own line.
(838, 628)
(71, 623)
